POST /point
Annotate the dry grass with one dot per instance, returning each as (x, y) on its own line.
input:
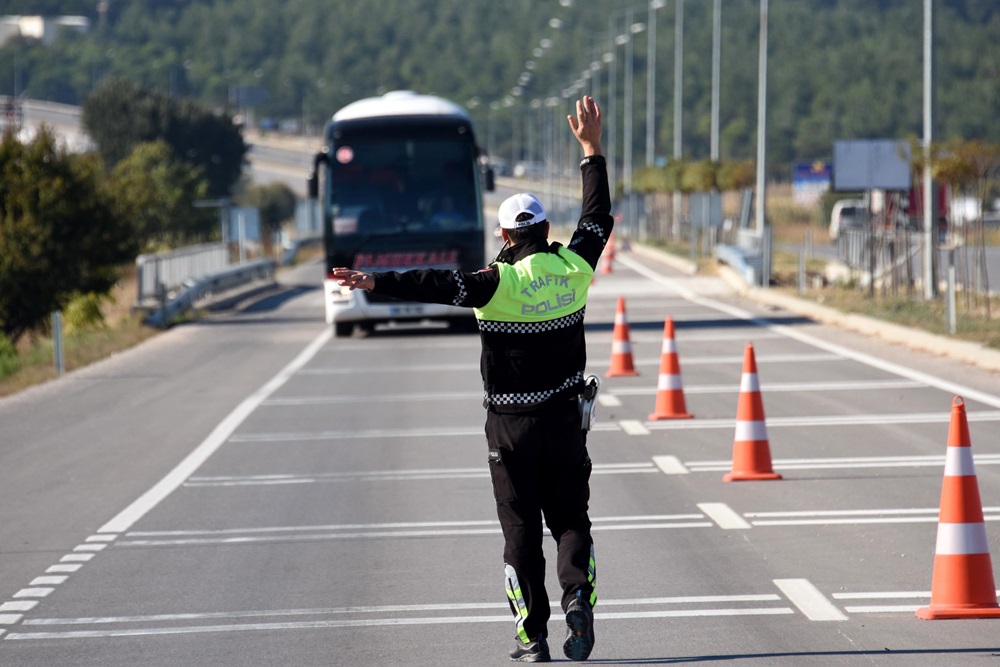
(122, 329)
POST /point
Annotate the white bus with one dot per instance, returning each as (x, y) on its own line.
(402, 190)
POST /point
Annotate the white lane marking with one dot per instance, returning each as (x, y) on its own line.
(10, 619)
(861, 385)
(371, 531)
(633, 427)
(390, 475)
(809, 600)
(968, 393)
(652, 361)
(369, 370)
(33, 592)
(762, 360)
(846, 463)
(375, 622)
(428, 432)
(76, 558)
(923, 596)
(882, 608)
(63, 568)
(670, 465)
(25, 605)
(724, 515)
(53, 580)
(101, 538)
(666, 425)
(881, 595)
(826, 420)
(383, 526)
(151, 498)
(386, 609)
(381, 398)
(608, 400)
(90, 547)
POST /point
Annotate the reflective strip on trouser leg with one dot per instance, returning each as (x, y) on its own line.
(517, 603)
(592, 577)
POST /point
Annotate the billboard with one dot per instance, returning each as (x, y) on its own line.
(810, 180)
(871, 164)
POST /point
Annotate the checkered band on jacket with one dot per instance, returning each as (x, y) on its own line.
(531, 398)
(532, 327)
(462, 291)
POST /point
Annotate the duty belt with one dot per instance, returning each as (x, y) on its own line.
(530, 398)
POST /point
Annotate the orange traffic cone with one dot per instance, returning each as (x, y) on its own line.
(751, 453)
(669, 388)
(962, 585)
(621, 347)
(608, 257)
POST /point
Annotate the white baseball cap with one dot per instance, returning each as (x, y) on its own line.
(515, 206)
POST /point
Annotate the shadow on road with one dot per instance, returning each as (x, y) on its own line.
(763, 658)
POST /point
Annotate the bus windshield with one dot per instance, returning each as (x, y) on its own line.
(392, 186)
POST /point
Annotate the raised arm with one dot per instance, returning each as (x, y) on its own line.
(587, 126)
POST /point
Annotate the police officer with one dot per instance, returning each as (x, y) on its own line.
(530, 304)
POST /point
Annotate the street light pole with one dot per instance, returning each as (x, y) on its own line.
(929, 199)
(678, 105)
(761, 122)
(716, 58)
(627, 148)
(651, 82)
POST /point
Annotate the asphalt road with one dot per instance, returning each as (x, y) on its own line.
(246, 490)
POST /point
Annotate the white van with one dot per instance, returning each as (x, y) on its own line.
(847, 214)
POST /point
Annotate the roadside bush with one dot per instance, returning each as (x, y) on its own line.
(84, 312)
(10, 362)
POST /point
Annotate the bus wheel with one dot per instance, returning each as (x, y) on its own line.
(343, 329)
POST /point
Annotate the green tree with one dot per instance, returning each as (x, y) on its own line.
(157, 192)
(58, 235)
(276, 203)
(120, 114)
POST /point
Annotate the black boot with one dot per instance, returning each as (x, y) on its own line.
(580, 630)
(536, 650)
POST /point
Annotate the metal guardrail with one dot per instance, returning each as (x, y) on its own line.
(158, 276)
(296, 245)
(749, 256)
(195, 290)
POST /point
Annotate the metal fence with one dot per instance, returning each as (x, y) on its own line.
(162, 274)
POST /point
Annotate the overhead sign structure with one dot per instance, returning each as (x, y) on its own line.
(871, 164)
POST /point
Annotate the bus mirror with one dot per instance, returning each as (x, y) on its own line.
(312, 181)
(312, 185)
(490, 180)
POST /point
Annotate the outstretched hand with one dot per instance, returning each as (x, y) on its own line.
(587, 125)
(353, 279)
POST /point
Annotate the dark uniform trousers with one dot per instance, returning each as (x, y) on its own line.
(540, 467)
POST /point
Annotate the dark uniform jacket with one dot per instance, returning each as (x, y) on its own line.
(525, 365)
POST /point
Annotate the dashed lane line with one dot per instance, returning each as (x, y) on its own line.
(801, 593)
(425, 529)
(968, 393)
(724, 516)
(693, 607)
(712, 360)
(606, 398)
(421, 474)
(629, 426)
(151, 498)
(809, 600)
(841, 463)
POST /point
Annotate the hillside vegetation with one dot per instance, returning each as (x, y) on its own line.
(837, 68)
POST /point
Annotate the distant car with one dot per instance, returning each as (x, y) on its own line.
(847, 214)
(530, 170)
